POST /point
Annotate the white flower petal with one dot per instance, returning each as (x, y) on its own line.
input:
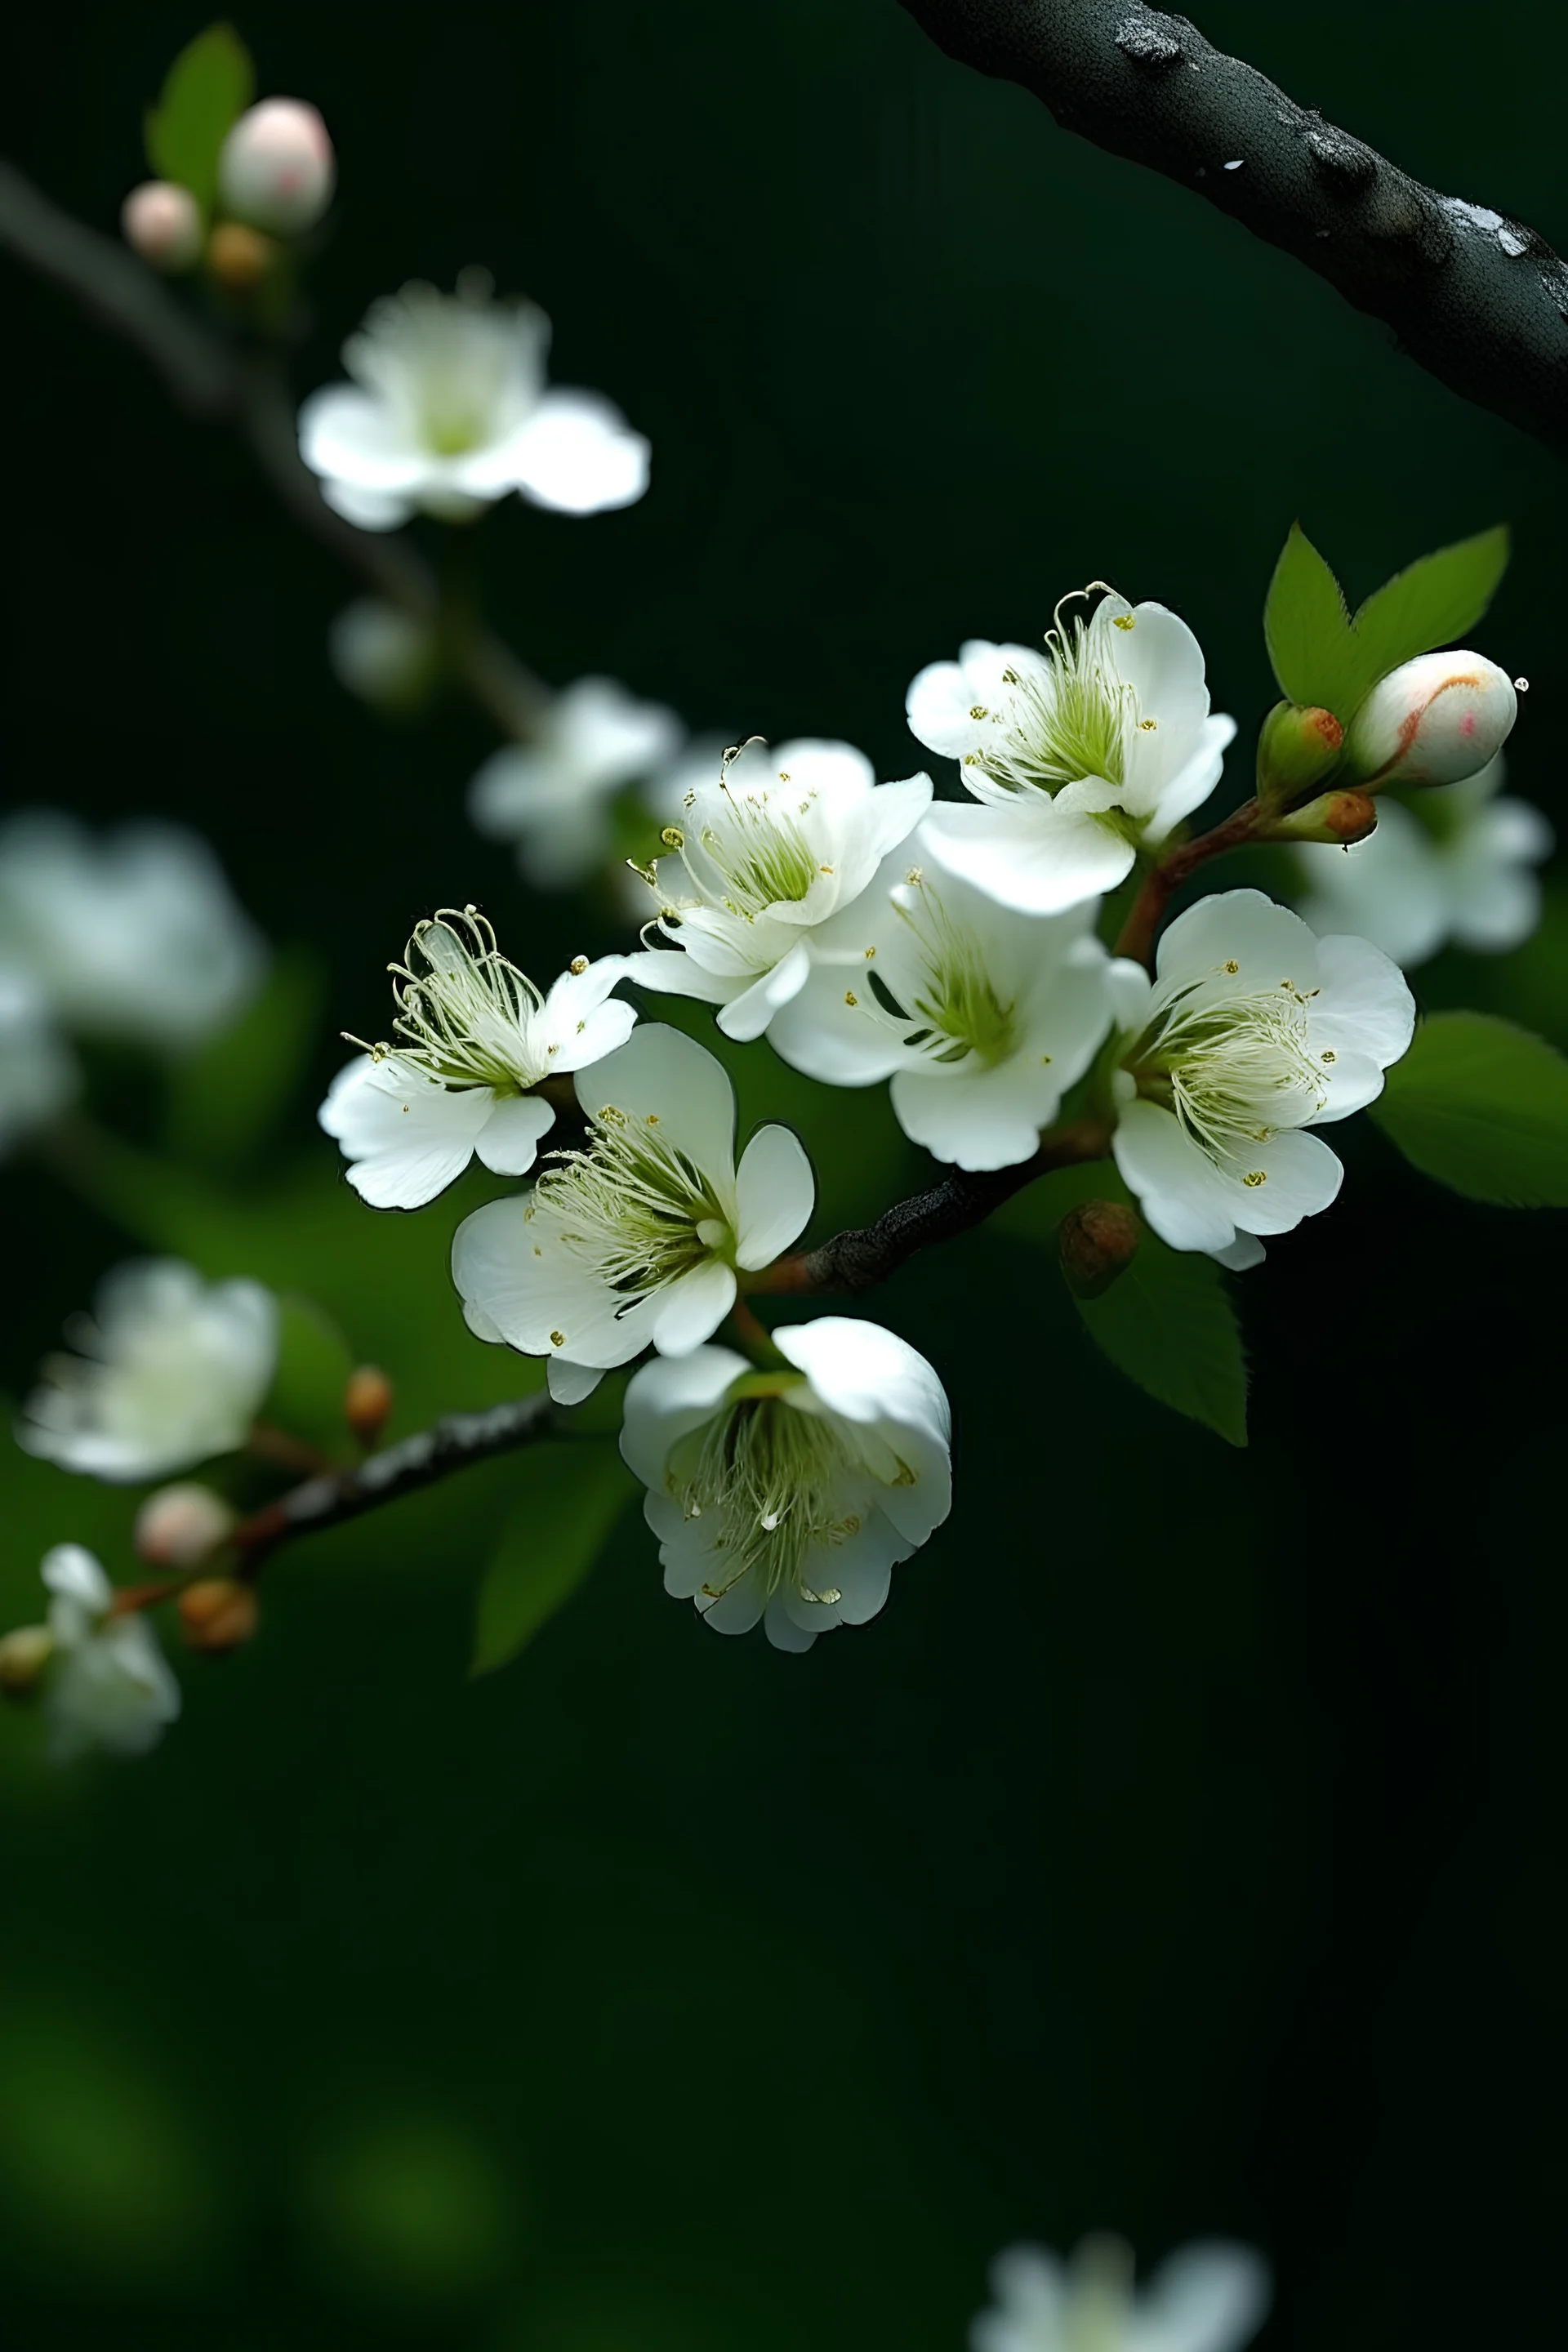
(366, 509)
(977, 1118)
(509, 1140)
(673, 973)
(570, 1383)
(775, 1194)
(692, 1307)
(578, 455)
(665, 1398)
(1180, 1190)
(348, 436)
(406, 1135)
(1028, 852)
(747, 1015)
(1209, 2297)
(1241, 1256)
(662, 1075)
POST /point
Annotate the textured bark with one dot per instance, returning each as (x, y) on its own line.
(1479, 301)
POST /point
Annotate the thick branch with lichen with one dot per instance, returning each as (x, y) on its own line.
(243, 384)
(1478, 300)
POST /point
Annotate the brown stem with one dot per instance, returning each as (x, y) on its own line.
(286, 1451)
(1137, 937)
(868, 1254)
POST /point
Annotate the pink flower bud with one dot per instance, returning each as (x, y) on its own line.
(179, 1526)
(163, 224)
(1434, 721)
(277, 170)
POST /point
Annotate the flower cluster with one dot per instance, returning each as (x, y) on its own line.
(1211, 2297)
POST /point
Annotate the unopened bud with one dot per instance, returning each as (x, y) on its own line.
(1434, 721)
(24, 1655)
(1097, 1241)
(180, 1526)
(217, 1614)
(1338, 817)
(367, 1402)
(238, 257)
(277, 170)
(1298, 747)
(385, 657)
(163, 224)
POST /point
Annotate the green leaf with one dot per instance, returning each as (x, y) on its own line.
(208, 87)
(1435, 602)
(1482, 1107)
(572, 1496)
(226, 1098)
(1168, 1323)
(314, 1360)
(1307, 628)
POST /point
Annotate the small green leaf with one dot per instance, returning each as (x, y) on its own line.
(1481, 1106)
(572, 1496)
(1432, 602)
(226, 1099)
(1308, 629)
(208, 87)
(314, 1360)
(1168, 1323)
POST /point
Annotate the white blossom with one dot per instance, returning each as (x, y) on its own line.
(776, 844)
(1079, 753)
(790, 1496)
(477, 1040)
(1252, 1033)
(552, 797)
(168, 1370)
(1433, 721)
(1211, 2296)
(982, 1016)
(136, 935)
(109, 1684)
(450, 410)
(1455, 865)
(636, 1237)
(37, 1076)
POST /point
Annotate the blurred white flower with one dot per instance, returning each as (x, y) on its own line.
(1104, 739)
(1211, 2297)
(765, 853)
(37, 1076)
(479, 1038)
(552, 797)
(134, 935)
(636, 1238)
(1452, 864)
(1252, 1031)
(450, 410)
(1433, 721)
(982, 1017)
(168, 1370)
(383, 655)
(109, 1685)
(277, 170)
(790, 1496)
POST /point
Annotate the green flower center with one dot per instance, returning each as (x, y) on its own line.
(953, 1009)
(636, 1207)
(773, 1483)
(752, 857)
(465, 1011)
(1232, 1072)
(1069, 723)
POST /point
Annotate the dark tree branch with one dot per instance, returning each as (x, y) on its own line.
(1478, 300)
(243, 387)
(869, 1254)
(454, 1443)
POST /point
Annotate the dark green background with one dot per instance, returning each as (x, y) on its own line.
(1181, 1851)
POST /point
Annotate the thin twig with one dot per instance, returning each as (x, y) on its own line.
(869, 1254)
(452, 1443)
(244, 386)
(1479, 301)
(1137, 935)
